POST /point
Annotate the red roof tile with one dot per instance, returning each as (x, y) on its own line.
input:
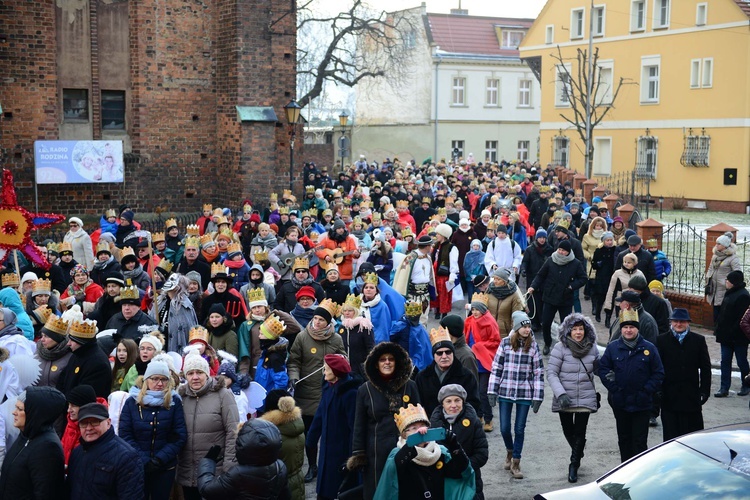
(744, 5)
(461, 34)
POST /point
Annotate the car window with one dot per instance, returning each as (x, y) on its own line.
(675, 471)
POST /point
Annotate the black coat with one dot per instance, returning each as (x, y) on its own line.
(658, 308)
(34, 466)
(645, 263)
(259, 474)
(429, 385)
(199, 266)
(99, 274)
(736, 302)
(104, 309)
(88, 365)
(533, 259)
(603, 261)
(558, 282)
(358, 343)
(336, 291)
(687, 371)
(285, 297)
(55, 274)
(126, 328)
(108, 468)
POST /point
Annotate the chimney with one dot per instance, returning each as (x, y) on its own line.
(460, 12)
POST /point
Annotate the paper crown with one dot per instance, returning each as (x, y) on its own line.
(218, 212)
(406, 231)
(170, 223)
(414, 308)
(193, 242)
(306, 213)
(272, 328)
(286, 194)
(165, 265)
(110, 213)
(207, 239)
(301, 263)
(481, 297)
(427, 200)
(353, 300)
(234, 248)
(85, 329)
(42, 314)
(56, 324)
(387, 208)
(652, 242)
(628, 316)
(260, 256)
(345, 212)
(217, 268)
(371, 279)
(330, 306)
(222, 220)
(376, 216)
(409, 415)
(256, 295)
(53, 247)
(41, 286)
(274, 197)
(129, 293)
(158, 237)
(247, 209)
(402, 204)
(103, 246)
(198, 333)
(192, 230)
(442, 211)
(449, 200)
(309, 189)
(327, 211)
(439, 334)
(284, 211)
(207, 207)
(226, 234)
(357, 221)
(126, 252)
(11, 280)
(65, 246)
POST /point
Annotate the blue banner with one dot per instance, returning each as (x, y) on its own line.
(78, 162)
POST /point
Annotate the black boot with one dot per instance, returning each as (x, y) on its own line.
(312, 474)
(608, 319)
(575, 460)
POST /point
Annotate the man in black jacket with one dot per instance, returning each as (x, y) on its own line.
(645, 259)
(655, 306)
(55, 273)
(191, 262)
(127, 321)
(88, 364)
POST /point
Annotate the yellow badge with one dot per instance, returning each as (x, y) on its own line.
(313, 350)
(78, 368)
(53, 369)
(119, 380)
(439, 465)
(466, 422)
(406, 398)
(1, 368)
(266, 360)
(646, 352)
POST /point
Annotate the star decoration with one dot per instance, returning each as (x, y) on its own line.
(17, 223)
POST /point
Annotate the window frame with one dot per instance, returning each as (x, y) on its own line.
(658, 8)
(633, 16)
(707, 84)
(595, 15)
(564, 149)
(695, 73)
(643, 154)
(488, 90)
(559, 87)
(575, 35)
(610, 65)
(549, 34)
(460, 145)
(103, 98)
(67, 103)
(648, 62)
(455, 88)
(521, 150)
(490, 152)
(704, 20)
(595, 171)
(522, 91)
(508, 33)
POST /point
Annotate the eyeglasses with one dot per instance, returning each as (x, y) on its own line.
(300, 271)
(159, 380)
(90, 423)
(445, 352)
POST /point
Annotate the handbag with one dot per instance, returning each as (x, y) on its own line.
(591, 379)
(709, 288)
(443, 271)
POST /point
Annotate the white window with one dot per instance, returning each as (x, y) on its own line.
(577, 18)
(697, 149)
(661, 14)
(560, 145)
(650, 71)
(563, 90)
(701, 73)
(647, 153)
(457, 148)
(524, 93)
(493, 85)
(459, 87)
(410, 39)
(549, 36)
(638, 15)
(598, 15)
(512, 39)
(490, 150)
(701, 14)
(605, 84)
(695, 74)
(523, 150)
(602, 156)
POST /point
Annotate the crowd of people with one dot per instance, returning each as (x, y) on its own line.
(212, 361)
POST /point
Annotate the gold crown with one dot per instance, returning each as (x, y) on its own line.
(353, 300)
(409, 415)
(170, 223)
(41, 286)
(260, 256)
(11, 280)
(301, 263)
(346, 212)
(165, 265)
(56, 324)
(442, 211)
(206, 239)
(330, 306)
(364, 205)
(256, 295)
(85, 329)
(110, 213)
(427, 200)
(192, 241)
(387, 208)
(217, 268)
(492, 224)
(247, 209)
(327, 211)
(129, 293)
(376, 216)
(65, 246)
(286, 194)
(284, 211)
(53, 247)
(651, 242)
(629, 315)
(414, 308)
(198, 333)
(357, 220)
(158, 236)
(481, 297)
(449, 200)
(439, 334)
(126, 252)
(225, 233)
(406, 231)
(207, 207)
(274, 197)
(103, 246)
(309, 189)
(192, 230)
(272, 328)
(306, 213)
(234, 247)
(217, 212)
(371, 278)
(222, 220)
(42, 314)
(402, 204)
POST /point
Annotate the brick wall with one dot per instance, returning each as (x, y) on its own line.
(320, 154)
(701, 312)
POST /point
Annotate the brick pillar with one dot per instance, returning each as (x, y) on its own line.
(714, 232)
(650, 228)
(588, 188)
(598, 191)
(626, 211)
(578, 180)
(611, 200)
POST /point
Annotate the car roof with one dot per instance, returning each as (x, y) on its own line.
(729, 445)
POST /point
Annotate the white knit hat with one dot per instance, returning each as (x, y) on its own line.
(150, 339)
(444, 230)
(194, 361)
(29, 276)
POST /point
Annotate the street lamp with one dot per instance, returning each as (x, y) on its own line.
(292, 117)
(661, 205)
(343, 146)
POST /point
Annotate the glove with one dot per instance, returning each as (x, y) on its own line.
(492, 399)
(379, 267)
(80, 297)
(451, 440)
(535, 405)
(214, 453)
(153, 465)
(356, 462)
(610, 376)
(290, 387)
(405, 454)
(564, 401)
(452, 277)
(704, 398)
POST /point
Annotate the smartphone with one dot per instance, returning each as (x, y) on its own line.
(436, 434)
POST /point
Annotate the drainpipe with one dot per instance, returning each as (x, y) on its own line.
(437, 106)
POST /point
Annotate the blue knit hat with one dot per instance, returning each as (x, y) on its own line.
(540, 233)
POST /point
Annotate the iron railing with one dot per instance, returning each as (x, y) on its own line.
(685, 247)
(631, 188)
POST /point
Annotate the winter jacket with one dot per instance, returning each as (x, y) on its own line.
(181, 319)
(305, 357)
(558, 283)
(375, 431)
(376, 259)
(223, 337)
(288, 419)
(9, 298)
(268, 290)
(687, 371)
(259, 473)
(211, 418)
(502, 311)
(199, 266)
(232, 302)
(658, 308)
(333, 426)
(59, 277)
(662, 266)
(617, 283)
(722, 263)
(53, 362)
(157, 433)
(358, 342)
(589, 244)
(648, 329)
(645, 263)
(286, 296)
(249, 340)
(138, 277)
(83, 251)
(603, 262)
(429, 385)
(88, 365)
(465, 356)
(239, 271)
(336, 290)
(91, 293)
(570, 375)
(733, 306)
(270, 371)
(34, 466)
(104, 309)
(53, 303)
(102, 270)
(638, 374)
(533, 259)
(126, 328)
(517, 375)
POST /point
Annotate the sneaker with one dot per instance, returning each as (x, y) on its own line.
(488, 427)
(652, 422)
(721, 394)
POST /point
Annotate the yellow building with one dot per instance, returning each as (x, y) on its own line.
(683, 114)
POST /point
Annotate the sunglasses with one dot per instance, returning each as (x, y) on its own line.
(442, 353)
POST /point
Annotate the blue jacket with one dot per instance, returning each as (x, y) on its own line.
(414, 339)
(662, 266)
(638, 374)
(271, 369)
(154, 431)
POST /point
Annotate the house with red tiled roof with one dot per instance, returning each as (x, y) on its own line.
(465, 91)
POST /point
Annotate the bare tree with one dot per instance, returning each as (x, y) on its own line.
(575, 85)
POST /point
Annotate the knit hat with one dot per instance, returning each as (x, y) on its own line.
(736, 278)
(479, 306)
(501, 229)
(454, 324)
(638, 282)
(607, 235)
(76, 220)
(338, 224)
(540, 233)
(195, 276)
(631, 257)
(28, 276)
(451, 390)
(305, 291)
(116, 277)
(724, 240)
(273, 397)
(154, 341)
(338, 364)
(157, 368)
(227, 367)
(81, 395)
(479, 280)
(194, 361)
(444, 230)
(503, 273)
(565, 245)
(656, 284)
(128, 215)
(520, 319)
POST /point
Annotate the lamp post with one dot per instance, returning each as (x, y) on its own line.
(343, 146)
(292, 117)
(661, 205)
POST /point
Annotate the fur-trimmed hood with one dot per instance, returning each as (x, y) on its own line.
(404, 367)
(590, 232)
(279, 418)
(214, 384)
(572, 319)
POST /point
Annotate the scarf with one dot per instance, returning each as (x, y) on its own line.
(152, 398)
(451, 419)
(300, 283)
(579, 349)
(99, 265)
(680, 336)
(74, 288)
(501, 292)
(597, 233)
(234, 264)
(303, 315)
(53, 354)
(135, 273)
(359, 321)
(427, 455)
(323, 334)
(210, 257)
(367, 305)
(631, 343)
(561, 260)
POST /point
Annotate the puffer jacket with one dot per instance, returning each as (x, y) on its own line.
(589, 244)
(570, 375)
(559, 282)
(722, 263)
(502, 310)
(639, 373)
(260, 473)
(617, 283)
(288, 419)
(211, 418)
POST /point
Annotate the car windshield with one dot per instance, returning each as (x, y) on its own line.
(675, 471)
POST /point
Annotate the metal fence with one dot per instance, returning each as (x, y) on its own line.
(685, 247)
(631, 188)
